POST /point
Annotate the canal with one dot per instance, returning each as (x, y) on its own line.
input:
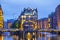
(41, 36)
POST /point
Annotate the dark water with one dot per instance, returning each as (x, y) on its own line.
(41, 36)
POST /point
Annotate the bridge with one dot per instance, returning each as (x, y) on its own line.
(48, 30)
(9, 30)
(40, 30)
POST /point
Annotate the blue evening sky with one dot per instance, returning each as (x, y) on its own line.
(12, 8)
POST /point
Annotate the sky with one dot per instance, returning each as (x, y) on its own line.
(12, 8)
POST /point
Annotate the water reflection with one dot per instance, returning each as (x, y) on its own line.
(43, 36)
(1, 37)
(40, 36)
(15, 37)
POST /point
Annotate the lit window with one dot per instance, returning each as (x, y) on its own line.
(49, 25)
(48, 19)
(22, 16)
(29, 16)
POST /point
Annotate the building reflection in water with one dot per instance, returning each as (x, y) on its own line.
(1, 38)
(15, 37)
(40, 36)
(43, 36)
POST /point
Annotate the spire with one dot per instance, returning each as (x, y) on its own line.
(28, 8)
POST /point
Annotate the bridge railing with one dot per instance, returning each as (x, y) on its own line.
(40, 30)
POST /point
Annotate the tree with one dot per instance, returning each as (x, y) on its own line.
(16, 24)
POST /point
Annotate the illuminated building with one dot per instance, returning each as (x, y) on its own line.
(28, 19)
(40, 24)
(55, 18)
(57, 11)
(43, 23)
(52, 20)
(1, 18)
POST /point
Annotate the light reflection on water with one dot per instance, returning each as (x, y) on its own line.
(41, 36)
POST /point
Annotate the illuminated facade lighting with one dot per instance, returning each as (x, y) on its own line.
(48, 19)
(57, 11)
(33, 33)
(29, 36)
(49, 25)
(43, 23)
(1, 38)
(52, 20)
(33, 39)
(1, 18)
(22, 16)
(28, 17)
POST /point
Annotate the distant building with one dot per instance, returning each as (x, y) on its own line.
(10, 22)
(5, 25)
(1, 18)
(15, 24)
(43, 23)
(52, 20)
(57, 11)
(28, 19)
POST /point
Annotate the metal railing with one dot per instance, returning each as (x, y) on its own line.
(40, 30)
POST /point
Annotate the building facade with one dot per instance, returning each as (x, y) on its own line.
(52, 20)
(28, 19)
(1, 18)
(9, 23)
(43, 23)
(57, 11)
